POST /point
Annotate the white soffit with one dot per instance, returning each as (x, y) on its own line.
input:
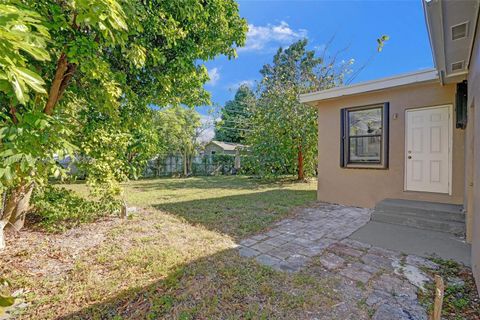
(451, 28)
(430, 75)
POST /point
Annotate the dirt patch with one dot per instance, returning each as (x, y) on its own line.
(94, 262)
(44, 254)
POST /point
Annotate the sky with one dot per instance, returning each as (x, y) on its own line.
(354, 25)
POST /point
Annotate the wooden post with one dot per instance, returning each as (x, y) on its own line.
(439, 291)
(123, 210)
(300, 163)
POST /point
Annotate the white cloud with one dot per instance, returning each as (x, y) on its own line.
(266, 38)
(208, 128)
(214, 75)
(234, 86)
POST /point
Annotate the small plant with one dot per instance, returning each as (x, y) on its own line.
(360, 285)
(57, 209)
(6, 300)
(460, 298)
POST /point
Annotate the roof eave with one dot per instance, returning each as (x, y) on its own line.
(421, 77)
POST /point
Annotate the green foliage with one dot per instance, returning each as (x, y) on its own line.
(235, 117)
(281, 126)
(23, 36)
(29, 146)
(248, 165)
(223, 159)
(57, 209)
(460, 299)
(178, 129)
(106, 62)
(6, 300)
(381, 42)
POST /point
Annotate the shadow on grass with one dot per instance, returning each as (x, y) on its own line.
(240, 215)
(220, 286)
(209, 182)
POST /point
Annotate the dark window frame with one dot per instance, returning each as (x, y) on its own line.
(345, 138)
(461, 109)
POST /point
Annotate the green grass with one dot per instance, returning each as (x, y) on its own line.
(174, 258)
(234, 205)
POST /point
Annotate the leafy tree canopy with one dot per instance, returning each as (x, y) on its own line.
(77, 77)
(283, 138)
(235, 116)
(179, 128)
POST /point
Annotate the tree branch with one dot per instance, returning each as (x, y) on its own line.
(13, 113)
(56, 83)
(71, 68)
(63, 75)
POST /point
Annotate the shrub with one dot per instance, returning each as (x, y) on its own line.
(247, 165)
(56, 209)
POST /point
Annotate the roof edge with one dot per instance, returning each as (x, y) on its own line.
(428, 75)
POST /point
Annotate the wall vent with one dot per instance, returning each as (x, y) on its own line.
(459, 31)
(457, 66)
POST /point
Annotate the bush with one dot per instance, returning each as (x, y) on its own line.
(247, 165)
(56, 209)
(227, 160)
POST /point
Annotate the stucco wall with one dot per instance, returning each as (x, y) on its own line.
(365, 187)
(473, 155)
(212, 147)
(218, 150)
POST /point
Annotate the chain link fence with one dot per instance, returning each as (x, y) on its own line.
(200, 165)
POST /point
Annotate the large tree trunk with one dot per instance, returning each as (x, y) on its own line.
(17, 220)
(17, 202)
(16, 205)
(301, 176)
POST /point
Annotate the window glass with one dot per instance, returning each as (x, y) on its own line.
(365, 122)
(365, 149)
(364, 139)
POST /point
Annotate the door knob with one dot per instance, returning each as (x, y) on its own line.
(409, 157)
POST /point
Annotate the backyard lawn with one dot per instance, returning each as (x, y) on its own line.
(173, 258)
(233, 205)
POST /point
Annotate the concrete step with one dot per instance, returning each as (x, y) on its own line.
(422, 209)
(422, 215)
(453, 227)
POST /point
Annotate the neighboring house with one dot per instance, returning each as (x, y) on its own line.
(415, 136)
(220, 147)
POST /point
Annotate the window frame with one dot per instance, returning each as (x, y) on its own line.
(345, 161)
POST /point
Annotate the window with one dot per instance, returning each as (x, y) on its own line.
(364, 137)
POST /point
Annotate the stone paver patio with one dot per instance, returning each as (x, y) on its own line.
(381, 281)
(290, 244)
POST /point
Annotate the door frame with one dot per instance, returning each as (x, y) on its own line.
(450, 146)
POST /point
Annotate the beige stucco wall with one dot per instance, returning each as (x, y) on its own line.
(365, 187)
(212, 147)
(473, 156)
(218, 150)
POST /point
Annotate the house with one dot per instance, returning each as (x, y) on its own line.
(414, 136)
(230, 148)
(220, 147)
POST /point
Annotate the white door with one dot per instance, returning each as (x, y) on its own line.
(428, 149)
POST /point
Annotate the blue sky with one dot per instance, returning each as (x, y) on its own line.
(354, 24)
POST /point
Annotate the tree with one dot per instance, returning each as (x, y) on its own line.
(235, 116)
(179, 128)
(284, 132)
(72, 71)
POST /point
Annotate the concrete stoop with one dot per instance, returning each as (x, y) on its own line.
(421, 215)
